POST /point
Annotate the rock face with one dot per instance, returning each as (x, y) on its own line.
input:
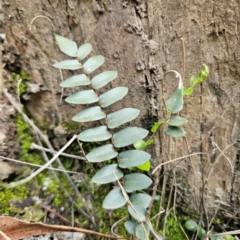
(142, 40)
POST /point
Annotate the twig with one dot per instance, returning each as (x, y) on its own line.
(162, 211)
(83, 152)
(153, 231)
(230, 233)
(34, 174)
(178, 75)
(55, 213)
(203, 201)
(131, 205)
(162, 196)
(168, 211)
(35, 146)
(157, 177)
(194, 176)
(115, 224)
(36, 165)
(221, 153)
(183, 57)
(4, 235)
(176, 159)
(183, 231)
(155, 187)
(215, 213)
(175, 195)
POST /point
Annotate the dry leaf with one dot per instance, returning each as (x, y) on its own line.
(16, 229)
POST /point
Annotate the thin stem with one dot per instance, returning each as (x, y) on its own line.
(35, 146)
(55, 213)
(183, 57)
(178, 75)
(176, 159)
(41, 16)
(36, 165)
(4, 235)
(34, 174)
(218, 157)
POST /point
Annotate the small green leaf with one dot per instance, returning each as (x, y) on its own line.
(84, 50)
(77, 80)
(93, 63)
(128, 135)
(139, 213)
(191, 225)
(229, 237)
(130, 226)
(141, 199)
(201, 232)
(82, 97)
(215, 237)
(103, 79)
(202, 75)
(112, 96)
(89, 114)
(71, 64)
(107, 174)
(141, 145)
(133, 158)
(157, 125)
(175, 132)
(66, 45)
(145, 166)
(114, 199)
(187, 91)
(95, 134)
(136, 181)
(139, 231)
(157, 198)
(176, 121)
(175, 102)
(122, 116)
(193, 81)
(99, 154)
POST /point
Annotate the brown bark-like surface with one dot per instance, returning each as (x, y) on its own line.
(142, 40)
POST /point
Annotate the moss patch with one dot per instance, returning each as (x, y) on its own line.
(6, 195)
(19, 81)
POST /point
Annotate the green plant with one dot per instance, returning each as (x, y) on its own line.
(120, 138)
(191, 225)
(173, 106)
(119, 172)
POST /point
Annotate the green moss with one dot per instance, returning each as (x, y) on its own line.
(16, 77)
(6, 195)
(25, 138)
(173, 230)
(72, 127)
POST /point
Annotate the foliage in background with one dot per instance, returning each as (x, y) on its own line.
(192, 226)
